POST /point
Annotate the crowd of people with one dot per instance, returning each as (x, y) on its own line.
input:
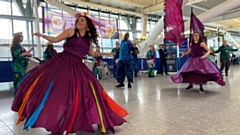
(64, 91)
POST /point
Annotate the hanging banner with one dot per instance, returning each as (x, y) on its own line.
(107, 29)
(56, 22)
(174, 21)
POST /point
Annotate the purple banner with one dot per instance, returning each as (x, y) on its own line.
(56, 22)
(195, 26)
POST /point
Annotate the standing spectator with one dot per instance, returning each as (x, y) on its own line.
(225, 50)
(97, 60)
(49, 52)
(124, 67)
(163, 61)
(151, 55)
(115, 52)
(135, 52)
(19, 60)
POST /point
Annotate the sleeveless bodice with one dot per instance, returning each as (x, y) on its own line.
(78, 46)
(196, 50)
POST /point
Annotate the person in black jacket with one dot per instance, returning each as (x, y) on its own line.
(163, 60)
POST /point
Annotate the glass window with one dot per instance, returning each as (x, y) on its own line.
(40, 27)
(112, 16)
(148, 27)
(5, 7)
(94, 13)
(29, 30)
(122, 25)
(104, 15)
(106, 43)
(6, 34)
(40, 10)
(118, 21)
(130, 35)
(16, 9)
(106, 18)
(22, 28)
(81, 10)
(138, 35)
(139, 25)
(106, 50)
(5, 51)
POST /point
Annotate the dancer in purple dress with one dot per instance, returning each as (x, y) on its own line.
(198, 68)
(62, 95)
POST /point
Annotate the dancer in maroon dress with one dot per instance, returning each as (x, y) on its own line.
(198, 68)
(62, 94)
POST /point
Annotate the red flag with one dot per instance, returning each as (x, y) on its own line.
(174, 22)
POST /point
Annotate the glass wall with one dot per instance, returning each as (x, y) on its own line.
(236, 36)
(5, 7)
(13, 20)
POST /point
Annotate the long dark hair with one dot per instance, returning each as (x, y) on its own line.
(126, 36)
(49, 50)
(200, 38)
(152, 47)
(91, 33)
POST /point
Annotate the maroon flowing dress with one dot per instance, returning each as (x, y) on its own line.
(197, 70)
(62, 94)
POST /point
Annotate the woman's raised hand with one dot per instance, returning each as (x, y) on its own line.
(38, 34)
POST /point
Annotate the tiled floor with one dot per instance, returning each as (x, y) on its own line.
(157, 106)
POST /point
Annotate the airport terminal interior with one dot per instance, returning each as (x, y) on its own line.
(155, 97)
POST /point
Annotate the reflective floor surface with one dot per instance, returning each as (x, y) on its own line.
(157, 106)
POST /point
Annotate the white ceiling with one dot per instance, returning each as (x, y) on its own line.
(229, 20)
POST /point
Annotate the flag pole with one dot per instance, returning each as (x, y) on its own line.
(218, 56)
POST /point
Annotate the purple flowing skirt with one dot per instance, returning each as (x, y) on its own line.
(62, 95)
(197, 70)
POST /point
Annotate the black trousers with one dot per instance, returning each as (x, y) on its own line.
(225, 63)
(163, 64)
(124, 68)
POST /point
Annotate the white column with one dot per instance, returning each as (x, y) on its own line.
(184, 3)
(144, 27)
(151, 39)
(152, 36)
(37, 29)
(216, 11)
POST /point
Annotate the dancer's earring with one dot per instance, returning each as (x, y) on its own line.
(89, 34)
